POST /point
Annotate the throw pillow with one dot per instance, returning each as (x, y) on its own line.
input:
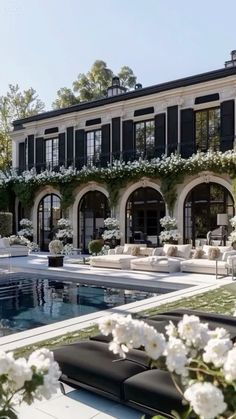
(172, 251)
(119, 250)
(198, 253)
(131, 250)
(213, 253)
(158, 251)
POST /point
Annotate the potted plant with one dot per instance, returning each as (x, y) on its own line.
(56, 258)
(232, 236)
(170, 234)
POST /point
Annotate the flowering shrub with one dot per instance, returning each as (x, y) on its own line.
(232, 236)
(203, 361)
(55, 247)
(112, 229)
(168, 236)
(64, 229)
(169, 223)
(26, 228)
(24, 381)
(67, 249)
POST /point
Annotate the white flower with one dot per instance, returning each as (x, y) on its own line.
(233, 221)
(219, 333)
(20, 372)
(155, 344)
(216, 351)
(168, 235)
(206, 400)
(6, 360)
(229, 367)
(41, 360)
(171, 330)
(106, 324)
(169, 223)
(192, 331)
(176, 356)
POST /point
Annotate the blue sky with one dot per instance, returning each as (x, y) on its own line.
(46, 43)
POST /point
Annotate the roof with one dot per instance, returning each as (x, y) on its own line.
(145, 91)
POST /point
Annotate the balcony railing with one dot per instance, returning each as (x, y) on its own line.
(103, 160)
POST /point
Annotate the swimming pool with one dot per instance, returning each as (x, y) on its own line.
(28, 302)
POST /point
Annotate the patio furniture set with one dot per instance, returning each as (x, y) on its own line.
(90, 365)
(7, 250)
(169, 258)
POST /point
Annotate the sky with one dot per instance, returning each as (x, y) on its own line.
(45, 44)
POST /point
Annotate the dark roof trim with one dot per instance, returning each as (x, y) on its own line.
(186, 81)
(90, 122)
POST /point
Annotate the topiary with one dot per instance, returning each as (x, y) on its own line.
(95, 246)
(5, 224)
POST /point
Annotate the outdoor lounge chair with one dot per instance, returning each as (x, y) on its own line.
(92, 366)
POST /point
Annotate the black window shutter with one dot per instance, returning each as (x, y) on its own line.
(30, 151)
(128, 140)
(187, 133)
(40, 159)
(62, 138)
(116, 138)
(21, 157)
(172, 129)
(105, 149)
(160, 134)
(70, 145)
(227, 125)
(80, 148)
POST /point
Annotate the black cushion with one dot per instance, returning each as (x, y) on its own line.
(213, 319)
(91, 363)
(153, 389)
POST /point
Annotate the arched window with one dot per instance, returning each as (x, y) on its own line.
(144, 209)
(92, 210)
(49, 212)
(201, 207)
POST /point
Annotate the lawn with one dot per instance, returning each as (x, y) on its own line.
(221, 300)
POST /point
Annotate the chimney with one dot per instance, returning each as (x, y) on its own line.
(115, 89)
(232, 62)
(138, 86)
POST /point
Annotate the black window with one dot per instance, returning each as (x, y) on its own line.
(207, 129)
(52, 152)
(94, 145)
(145, 139)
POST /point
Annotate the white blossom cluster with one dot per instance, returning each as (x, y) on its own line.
(64, 229)
(173, 164)
(67, 249)
(169, 223)
(24, 380)
(26, 228)
(204, 359)
(112, 229)
(232, 236)
(169, 235)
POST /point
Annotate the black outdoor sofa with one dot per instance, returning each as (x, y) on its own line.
(90, 365)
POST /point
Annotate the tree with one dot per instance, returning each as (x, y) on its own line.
(65, 98)
(93, 85)
(15, 105)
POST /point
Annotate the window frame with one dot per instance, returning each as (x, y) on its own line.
(93, 158)
(143, 153)
(52, 162)
(208, 146)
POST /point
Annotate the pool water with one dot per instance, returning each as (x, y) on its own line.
(28, 303)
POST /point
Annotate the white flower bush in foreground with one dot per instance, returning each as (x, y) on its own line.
(202, 362)
(24, 381)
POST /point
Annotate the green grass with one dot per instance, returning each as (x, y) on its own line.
(221, 300)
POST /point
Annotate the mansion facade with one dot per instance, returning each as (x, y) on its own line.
(184, 116)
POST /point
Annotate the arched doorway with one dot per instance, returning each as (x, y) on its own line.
(201, 207)
(49, 212)
(92, 210)
(144, 208)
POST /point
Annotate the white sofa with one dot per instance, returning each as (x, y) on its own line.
(160, 261)
(206, 266)
(14, 250)
(118, 258)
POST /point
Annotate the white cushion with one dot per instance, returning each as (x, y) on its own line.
(4, 242)
(119, 250)
(158, 251)
(145, 251)
(222, 249)
(183, 250)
